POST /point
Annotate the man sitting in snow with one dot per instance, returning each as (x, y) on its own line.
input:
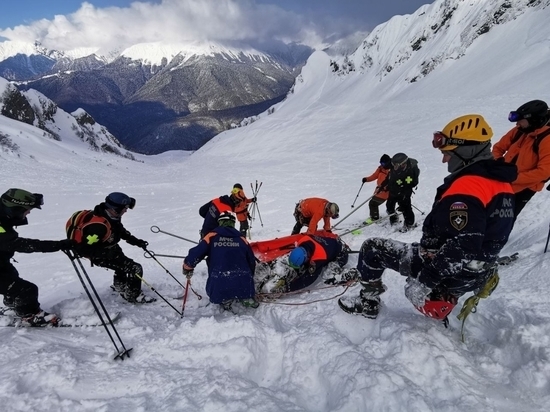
(462, 236)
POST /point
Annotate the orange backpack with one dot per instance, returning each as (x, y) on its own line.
(85, 219)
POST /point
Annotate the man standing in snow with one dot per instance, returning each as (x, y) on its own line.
(468, 225)
(380, 195)
(241, 209)
(212, 210)
(231, 264)
(19, 294)
(402, 179)
(527, 147)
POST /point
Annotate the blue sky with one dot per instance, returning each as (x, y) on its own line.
(363, 14)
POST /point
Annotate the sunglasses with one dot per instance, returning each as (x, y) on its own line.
(441, 140)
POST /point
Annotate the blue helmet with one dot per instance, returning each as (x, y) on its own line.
(119, 201)
(297, 258)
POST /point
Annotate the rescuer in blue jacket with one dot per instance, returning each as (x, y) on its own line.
(469, 224)
(231, 264)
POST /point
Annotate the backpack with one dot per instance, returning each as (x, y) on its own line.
(85, 219)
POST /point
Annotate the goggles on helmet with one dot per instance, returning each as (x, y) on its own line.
(399, 165)
(38, 200)
(515, 116)
(441, 140)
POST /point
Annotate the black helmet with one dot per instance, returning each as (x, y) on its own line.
(119, 201)
(535, 112)
(15, 202)
(534, 108)
(385, 161)
(238, 186)
(399, 159)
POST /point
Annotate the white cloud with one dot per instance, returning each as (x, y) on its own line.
(171, 21)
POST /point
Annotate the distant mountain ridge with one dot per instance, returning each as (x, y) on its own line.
(156, 97)
(35, 109)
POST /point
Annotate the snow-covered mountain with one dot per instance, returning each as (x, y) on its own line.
(156, 97)
(42, 119)
(301, 353)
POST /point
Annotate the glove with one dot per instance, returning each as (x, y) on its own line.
(188, 273)
(364, 180)
(416, 292)
(253, 200)
(142, 243)
(248, 216)
(67, 244)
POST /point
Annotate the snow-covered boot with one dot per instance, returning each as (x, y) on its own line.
(368, 301)
(140, 297)
(250, 303)
(40, 319)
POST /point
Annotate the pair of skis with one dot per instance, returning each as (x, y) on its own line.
(357, 228)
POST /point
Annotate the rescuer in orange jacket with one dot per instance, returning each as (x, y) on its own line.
(309, 212)
(528, 147)
(462, 236)
(241, 209)
(380, 195)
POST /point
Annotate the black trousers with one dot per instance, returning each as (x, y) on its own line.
(405, 206)
(373, 207)
(19, 294)
(521, 199)
(125, 269)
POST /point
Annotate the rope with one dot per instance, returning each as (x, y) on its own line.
(272, 297)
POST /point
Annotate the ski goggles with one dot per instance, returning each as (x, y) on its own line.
(441, 140)
(514, 117)
(400, 165)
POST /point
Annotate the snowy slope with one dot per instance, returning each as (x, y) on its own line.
(298, 355)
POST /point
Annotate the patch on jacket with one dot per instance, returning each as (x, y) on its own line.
(459, 219)
(458, 206)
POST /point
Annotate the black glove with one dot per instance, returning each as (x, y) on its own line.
(188, 273)
(142, 243)
(248, 216)
(67, 244)
(254, 199)
(364, 180)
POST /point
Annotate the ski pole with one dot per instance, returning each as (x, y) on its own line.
(353, 204)
(158, 294)
(152, 255)
(547, 239)
(350, 213)
(259, 215)
(149, 254)
(187, 284)
(421, 212)
(156, 229)
(120, 353)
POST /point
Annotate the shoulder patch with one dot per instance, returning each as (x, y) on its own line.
(459, 206)
(459, 219)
